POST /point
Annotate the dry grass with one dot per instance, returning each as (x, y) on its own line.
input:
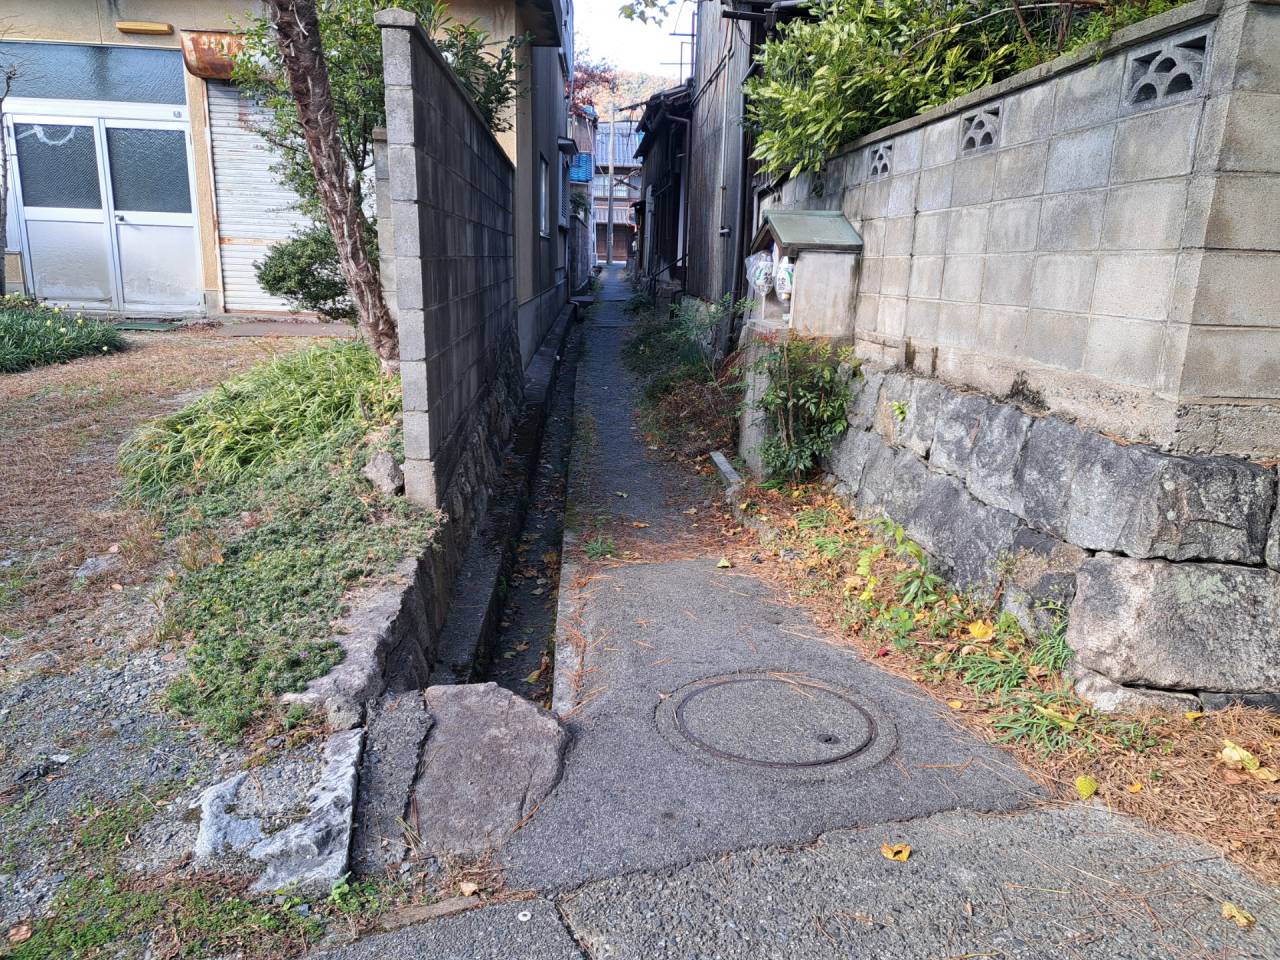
(1163, 769)
(60, 428)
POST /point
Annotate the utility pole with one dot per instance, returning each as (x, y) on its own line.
(608, 233)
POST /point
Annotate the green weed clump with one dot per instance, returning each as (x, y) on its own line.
(805, 401)
(33, 335)
(282, 409)
(259, 487)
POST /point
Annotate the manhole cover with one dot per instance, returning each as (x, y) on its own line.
(771, 720)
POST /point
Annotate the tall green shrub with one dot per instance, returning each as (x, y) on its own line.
(854, 66)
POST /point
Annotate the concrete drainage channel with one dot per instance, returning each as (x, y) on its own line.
(437, 763)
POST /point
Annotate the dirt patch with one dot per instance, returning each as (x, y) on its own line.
(60, 428)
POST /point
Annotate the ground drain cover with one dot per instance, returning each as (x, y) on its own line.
(780, 721)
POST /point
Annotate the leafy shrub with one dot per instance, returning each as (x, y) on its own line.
(33, 335)
(855, 66)
(278, 410)
(304, 270)
(805, 401)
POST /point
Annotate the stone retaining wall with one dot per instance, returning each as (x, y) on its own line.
(1167, 565)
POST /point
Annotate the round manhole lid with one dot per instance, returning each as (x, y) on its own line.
(772, 720)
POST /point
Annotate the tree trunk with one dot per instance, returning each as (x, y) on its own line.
(298, 36)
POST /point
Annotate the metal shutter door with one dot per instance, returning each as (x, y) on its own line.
(254, 209)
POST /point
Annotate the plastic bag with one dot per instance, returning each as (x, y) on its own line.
(760, 273)
(784, 277)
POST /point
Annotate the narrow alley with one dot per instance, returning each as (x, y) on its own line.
(733, 773)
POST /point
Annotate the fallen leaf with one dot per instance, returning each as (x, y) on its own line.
(1237, 757)
(619, 493)
(895, 851)
(1066, 723)
(534, 677)
(1241, 918)
(20, 933)
(1265, 774)
(955, 704)
(639, 526)
(1192, 715)
(882, 652)
(1086, 786)
(468, 889)
(725, 563)
(1134, 787)
(981, 630)
(116, 586)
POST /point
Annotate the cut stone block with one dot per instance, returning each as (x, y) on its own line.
(1108, 697)
(994, 472)
(1210, 508)
(397, 726)
(1040, 580)
(1048, 469)
(917, 430)
(1211, 700)
(490, 760)
(966, 537)
(955, 431)
(1178, 626)
(312, 855)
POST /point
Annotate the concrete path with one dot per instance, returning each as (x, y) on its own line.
(733, 776)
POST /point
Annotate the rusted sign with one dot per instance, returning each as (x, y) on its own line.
(208, 53)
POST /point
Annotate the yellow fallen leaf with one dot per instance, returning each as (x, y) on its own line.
(534, 677)
(1066, 723)
(1192, 715)
(981, 630)
(725, 563)
(1241, 918)
(895, 851)
(1265, 774)
(639, 526)
(1086, 786)
(955, 704)
(1134, 787)
(1236, 756)
(468, 889)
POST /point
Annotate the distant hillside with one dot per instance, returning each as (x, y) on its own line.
(632, 87)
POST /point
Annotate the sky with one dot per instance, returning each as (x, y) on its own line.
(630, 45)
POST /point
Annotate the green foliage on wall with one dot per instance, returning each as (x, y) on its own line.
(854, 66)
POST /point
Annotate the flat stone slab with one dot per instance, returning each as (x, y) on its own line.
(490, 759)
(524, 930)
(307, 854)
(1077, 882)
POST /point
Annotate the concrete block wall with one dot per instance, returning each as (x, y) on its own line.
(1101, 233)
(446, 236)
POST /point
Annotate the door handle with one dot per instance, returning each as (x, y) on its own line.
(119, 218)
